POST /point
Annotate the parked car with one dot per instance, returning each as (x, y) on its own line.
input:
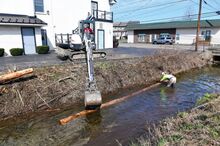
(164, 40)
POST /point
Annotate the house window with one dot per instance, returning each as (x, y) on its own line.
(39, 5)
(141, 37)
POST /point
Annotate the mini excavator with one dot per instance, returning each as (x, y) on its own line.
(83, 40)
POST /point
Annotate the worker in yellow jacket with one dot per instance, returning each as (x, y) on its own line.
(169, 79)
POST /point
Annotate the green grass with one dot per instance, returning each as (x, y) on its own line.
(206, 98)
(103, 65)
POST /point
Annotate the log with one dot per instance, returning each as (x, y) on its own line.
(105, 105)
(14, 75)
(72, 117)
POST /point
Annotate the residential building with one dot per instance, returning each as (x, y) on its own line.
(30, 23)
(183, 32)
(119, 29)
(19, 28)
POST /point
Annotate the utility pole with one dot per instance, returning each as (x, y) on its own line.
(198, 25)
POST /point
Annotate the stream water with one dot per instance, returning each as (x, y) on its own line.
(119, 123)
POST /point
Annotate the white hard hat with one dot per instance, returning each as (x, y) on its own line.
(163, 73)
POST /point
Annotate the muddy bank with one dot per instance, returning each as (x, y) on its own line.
(62, 86)
(199, 126)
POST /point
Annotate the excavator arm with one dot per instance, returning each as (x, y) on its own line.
(93, 97)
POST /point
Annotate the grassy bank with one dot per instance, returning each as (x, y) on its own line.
(64, 85)
(199, 126)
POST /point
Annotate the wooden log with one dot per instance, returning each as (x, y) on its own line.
(72, 117)
(85, 112)
(14, 75)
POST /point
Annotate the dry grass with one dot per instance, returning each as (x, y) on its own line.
(64, 85)
(200, 126)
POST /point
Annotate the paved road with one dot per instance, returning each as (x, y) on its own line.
(21, 62)
(157, 46)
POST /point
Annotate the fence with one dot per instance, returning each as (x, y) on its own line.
(63, 38)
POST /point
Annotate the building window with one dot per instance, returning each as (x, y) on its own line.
(39, 5)
(141, 37)
(208, 35)
(177, 37)
(94, 9)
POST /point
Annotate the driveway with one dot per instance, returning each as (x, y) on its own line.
(26, 61)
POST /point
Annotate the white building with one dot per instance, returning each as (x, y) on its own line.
(30, 23)
(119, 29)
(184, 32)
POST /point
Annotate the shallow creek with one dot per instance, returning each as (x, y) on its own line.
(119, 123)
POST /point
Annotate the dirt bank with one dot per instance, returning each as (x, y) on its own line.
(200, 126)
(63, 85)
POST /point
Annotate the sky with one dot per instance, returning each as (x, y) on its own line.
(149, 11)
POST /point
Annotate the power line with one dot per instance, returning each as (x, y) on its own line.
(159, 5)
(157, 12)
(214, 12)
(134, 15)
(209, 5)
(202, 6)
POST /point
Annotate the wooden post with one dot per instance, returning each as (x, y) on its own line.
(198, 25)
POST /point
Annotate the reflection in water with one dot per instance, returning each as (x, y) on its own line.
(163, 95)
(118, 123)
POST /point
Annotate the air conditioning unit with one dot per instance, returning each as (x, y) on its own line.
(112, 2)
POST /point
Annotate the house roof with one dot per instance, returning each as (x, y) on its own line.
(175, 24)
(20, 19)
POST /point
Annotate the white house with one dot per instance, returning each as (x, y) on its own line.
(184, 32)
(30, 23)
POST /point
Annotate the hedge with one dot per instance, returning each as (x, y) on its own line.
(17, 51)
(2, 51)
(42, 49)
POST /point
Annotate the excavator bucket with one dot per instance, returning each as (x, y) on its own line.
(93, 99)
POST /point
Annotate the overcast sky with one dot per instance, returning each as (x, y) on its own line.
(148, 11)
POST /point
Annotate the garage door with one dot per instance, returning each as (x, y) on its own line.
(28, 40)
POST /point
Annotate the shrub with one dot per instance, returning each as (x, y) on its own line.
(42, 49)
(2, 51)
(17, 51)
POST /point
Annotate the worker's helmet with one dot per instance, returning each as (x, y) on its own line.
(163, 73)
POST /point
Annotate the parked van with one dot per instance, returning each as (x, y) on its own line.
(164, 40)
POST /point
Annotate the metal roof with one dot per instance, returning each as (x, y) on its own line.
(174, 24)
(20, 19)
(124, 24)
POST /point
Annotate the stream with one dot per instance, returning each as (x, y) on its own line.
(115, 125)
